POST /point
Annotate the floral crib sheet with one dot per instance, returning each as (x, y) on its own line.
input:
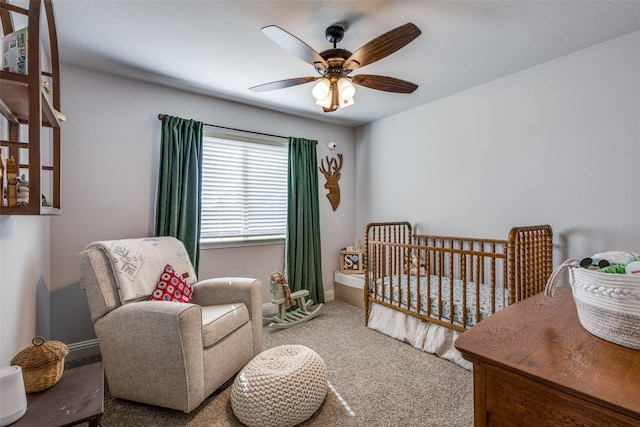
(435, 295)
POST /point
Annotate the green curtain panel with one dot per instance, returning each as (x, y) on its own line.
(304, 257)
(179, 183)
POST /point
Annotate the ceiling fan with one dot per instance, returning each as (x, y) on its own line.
(334, 85)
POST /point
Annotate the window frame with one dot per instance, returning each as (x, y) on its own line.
(243, 137)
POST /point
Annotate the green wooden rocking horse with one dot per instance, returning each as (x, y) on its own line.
(284, 299)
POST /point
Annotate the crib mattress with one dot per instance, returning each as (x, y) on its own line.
(440, 290)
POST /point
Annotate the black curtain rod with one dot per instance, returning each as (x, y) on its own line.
(160, 116)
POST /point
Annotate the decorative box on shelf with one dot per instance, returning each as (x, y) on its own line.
(352, 261)
(14, 52)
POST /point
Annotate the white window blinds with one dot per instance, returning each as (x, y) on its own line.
(244, 189)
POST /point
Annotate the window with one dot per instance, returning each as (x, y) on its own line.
(244, 189)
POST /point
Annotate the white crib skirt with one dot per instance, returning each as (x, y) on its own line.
(425, 336)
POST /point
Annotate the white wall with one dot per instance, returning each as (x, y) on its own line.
(109, 170)
(558, 143)
(24, 273)
(24, 282)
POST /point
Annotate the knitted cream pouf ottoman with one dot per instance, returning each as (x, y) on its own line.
(282, 386)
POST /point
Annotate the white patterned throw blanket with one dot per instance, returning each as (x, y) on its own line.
(138, 263)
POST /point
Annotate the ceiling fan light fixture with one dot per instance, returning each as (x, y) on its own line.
(348, 102)
(346, 89)
(326, 102)
(321, 90)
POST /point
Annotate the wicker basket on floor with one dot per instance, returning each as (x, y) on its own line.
(608, 304)
(42, 364)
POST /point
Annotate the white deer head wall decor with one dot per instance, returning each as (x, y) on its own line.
(332, 172)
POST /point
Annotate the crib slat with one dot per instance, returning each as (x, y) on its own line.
(463, 278)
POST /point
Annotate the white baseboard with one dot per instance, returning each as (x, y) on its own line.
(329, 295)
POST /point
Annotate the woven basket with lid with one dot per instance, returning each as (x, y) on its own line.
(42, 364)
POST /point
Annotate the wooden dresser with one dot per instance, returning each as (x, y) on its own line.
(535, 365)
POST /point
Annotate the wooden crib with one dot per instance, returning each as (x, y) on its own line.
(453, 281)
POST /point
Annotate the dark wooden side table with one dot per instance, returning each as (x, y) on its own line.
(78, 397)
(535, 365)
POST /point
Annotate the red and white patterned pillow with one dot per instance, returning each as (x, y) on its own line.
(171, 287)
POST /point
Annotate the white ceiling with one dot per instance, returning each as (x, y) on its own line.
(217, 48)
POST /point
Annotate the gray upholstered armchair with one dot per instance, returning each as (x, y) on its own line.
(167, 353)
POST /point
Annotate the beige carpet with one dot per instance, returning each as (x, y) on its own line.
(376, 381)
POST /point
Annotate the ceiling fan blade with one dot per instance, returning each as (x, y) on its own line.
(385, 83)
(383, 46)
(281, 84)
(294, 45)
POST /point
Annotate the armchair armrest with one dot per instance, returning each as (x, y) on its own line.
(141, 341)
(228, 290)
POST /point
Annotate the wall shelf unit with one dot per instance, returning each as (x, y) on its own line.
(32, 114)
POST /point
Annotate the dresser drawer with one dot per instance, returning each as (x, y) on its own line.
(516, 401)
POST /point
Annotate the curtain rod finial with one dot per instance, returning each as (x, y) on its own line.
(160, 116)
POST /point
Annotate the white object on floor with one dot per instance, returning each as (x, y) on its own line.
(13, 399)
